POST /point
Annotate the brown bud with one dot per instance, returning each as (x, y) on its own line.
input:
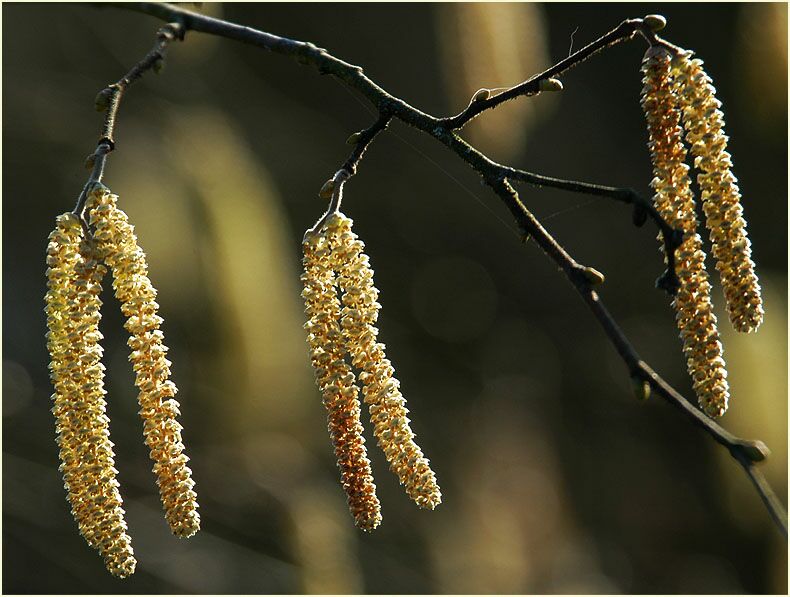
(327, 190)
(103, 99)
(354, 138)
(550, 85)
(655, 22)
(481, 95)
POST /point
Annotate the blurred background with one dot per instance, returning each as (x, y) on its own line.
(555, 479)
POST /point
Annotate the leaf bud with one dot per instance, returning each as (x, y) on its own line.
(103, 99)
(354, 138)
(593, 276)
(327, 190)
(641, 388)
(655, 22)
(550, 85)
(481, 95)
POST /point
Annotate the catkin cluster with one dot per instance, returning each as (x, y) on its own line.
(74, 277)
(674, 200)
(76, 259)
(721, 198)
(335, 379)
(335, 262)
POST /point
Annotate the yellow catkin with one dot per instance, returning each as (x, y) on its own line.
(674, 201)
(72, 301)
(336, 382)
(380, 388)
(118, 245)
(721, 198)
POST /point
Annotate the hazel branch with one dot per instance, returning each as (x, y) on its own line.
(110, 97)
(643, 208)
(361, 140)
(534, 85)
(109, 100)
(746, 452)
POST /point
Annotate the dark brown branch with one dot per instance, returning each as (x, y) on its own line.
(746, 452)
(110, 97)
(643, 208)
(361, 140)
(109, 100)
(532, 86)
(96, 162)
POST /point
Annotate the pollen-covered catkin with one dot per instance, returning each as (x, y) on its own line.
(721, 198)
(87, 460)
(118, 246)
(380, 388)
(337, 382)
(674, 201)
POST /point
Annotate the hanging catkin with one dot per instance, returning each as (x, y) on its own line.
(380, 388)
(336, 382)
(674, 201)
(87, 460)
(118, 246)
(721, 198)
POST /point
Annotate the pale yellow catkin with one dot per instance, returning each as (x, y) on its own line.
(73, 307)
(721, 197)
(118, 246)
(381, 389)
(337, 382)
(675, 202)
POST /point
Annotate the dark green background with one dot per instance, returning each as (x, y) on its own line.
(555, 479)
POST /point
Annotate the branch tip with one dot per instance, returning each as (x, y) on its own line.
(754, 450)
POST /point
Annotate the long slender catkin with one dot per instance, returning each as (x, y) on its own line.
(73, 306)
(118, 246)
(675, 202)
(380, 387)
(721, 197)
(337, 382)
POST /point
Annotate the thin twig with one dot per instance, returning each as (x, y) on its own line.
(361, 141)
(109, 100)
(643, 208)
(110, 97)
(96, 162)
(532, 86)
(746, 452)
